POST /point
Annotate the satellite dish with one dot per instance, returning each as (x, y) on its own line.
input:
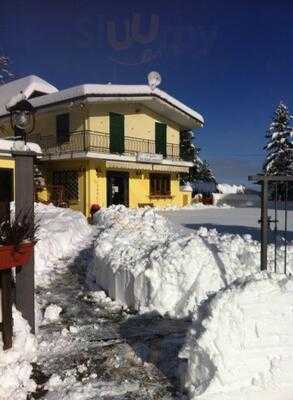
(154, 79)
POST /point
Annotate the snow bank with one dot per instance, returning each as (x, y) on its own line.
(193, 206)
(230, 189)
(240, 347)
(15, 363)
(237, 199)
(143, 262)
(62, 234)
(149, 264)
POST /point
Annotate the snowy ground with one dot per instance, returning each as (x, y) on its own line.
(90, 347)
(228, 220)
(98, 350)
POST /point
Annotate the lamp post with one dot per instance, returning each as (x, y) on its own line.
(22, 119)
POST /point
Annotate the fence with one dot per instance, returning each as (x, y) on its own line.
(275, 192)
(84, 141)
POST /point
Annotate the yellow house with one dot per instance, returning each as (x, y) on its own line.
(7, 165)
(7, 169)
(106, 144)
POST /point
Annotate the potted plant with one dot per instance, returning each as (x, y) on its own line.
(17, 240)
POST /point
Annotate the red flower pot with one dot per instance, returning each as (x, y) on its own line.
(11, 256)
(95, 208)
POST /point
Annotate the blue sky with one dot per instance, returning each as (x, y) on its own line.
(230, 60)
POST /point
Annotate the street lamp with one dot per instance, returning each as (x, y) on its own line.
(22, 119)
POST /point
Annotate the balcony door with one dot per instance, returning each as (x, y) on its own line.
(116, 133)
(161, 139)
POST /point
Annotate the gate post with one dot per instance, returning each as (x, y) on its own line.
(264, 223)
(24, 205)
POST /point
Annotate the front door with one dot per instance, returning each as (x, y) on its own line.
(6, 190)
(117, 188)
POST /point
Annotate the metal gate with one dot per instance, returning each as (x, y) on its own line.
(276, 191)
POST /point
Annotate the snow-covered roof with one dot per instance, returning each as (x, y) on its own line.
(7, 146)
(157, 100)
(10, 92)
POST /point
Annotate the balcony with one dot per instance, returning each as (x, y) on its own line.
(92, 141)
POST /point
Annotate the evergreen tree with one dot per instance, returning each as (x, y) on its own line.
(206, 174)
(189, 151)
(279, 147)
(5, 74)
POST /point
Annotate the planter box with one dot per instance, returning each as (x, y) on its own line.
(11, 256)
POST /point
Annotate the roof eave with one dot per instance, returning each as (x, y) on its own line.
(184, 119)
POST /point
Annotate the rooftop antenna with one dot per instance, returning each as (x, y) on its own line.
(154, 79)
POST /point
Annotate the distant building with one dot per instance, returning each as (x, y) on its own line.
(106, 144)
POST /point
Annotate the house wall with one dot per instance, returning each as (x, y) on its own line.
(92, 174)
(93, 186)
(45, 121)
(139, 121)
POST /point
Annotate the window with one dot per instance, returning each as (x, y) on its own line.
(160, 185)
(68, 182)
(62, 128)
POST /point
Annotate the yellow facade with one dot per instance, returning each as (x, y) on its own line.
(92, 184)
(7, 162)
(139, 123)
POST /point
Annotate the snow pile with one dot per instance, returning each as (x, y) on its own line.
(52, 313)
(240, 347)
(239, 255)
(146, 262)
(62, 234)
(15, 363)
(225, 188)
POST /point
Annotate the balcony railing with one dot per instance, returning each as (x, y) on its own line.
(86, 141)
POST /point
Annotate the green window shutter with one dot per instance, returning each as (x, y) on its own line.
(116, 133)
(62, 128)
(161, 139)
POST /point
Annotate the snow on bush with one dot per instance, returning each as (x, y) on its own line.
(146, 262)
(225, 188)
(240, 347)
(62, 234)
(15, 363)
